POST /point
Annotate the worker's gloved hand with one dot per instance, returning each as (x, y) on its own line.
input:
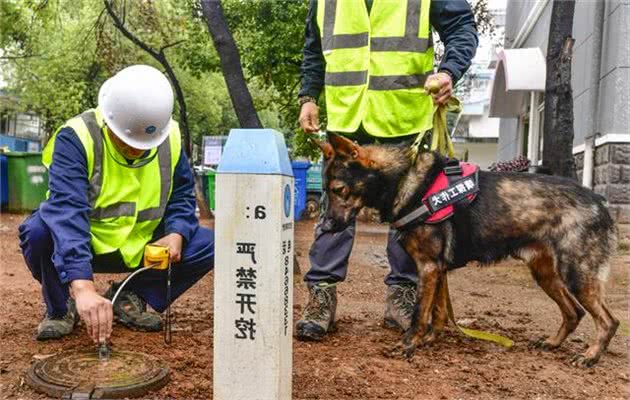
(440, 86)
(309, 117)
(174, 242)
(95, 310)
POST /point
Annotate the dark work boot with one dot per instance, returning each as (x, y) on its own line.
(319, 314)
(56, 328)
(131, 311)
(401, 300)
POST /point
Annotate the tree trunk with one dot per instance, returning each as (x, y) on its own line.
(230, 64)
(204, 208)
(558, 126)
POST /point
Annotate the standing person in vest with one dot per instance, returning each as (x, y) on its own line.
(374, 59)
(118, 179)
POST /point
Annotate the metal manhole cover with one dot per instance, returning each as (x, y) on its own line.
(81, 375)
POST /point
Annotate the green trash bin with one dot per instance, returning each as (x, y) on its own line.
(211, 175)
(28, 181)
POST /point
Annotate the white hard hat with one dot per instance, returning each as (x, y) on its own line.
(137, 104)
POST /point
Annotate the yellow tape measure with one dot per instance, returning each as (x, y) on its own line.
(156, 256)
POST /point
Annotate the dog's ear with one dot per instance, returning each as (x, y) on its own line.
(349, 149)
(327, 149)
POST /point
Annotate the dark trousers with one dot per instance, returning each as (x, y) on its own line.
(330, 251)
(38, 247)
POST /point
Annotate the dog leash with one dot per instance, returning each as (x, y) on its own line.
(440, 138)
(624, 329)
(473, 333)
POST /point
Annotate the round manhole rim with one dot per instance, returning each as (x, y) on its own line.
(93, 391)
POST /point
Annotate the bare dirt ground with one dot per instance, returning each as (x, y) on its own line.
(351, 364)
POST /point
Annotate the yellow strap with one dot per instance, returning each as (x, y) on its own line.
(441, 140)
(624, 329)
(473, 333)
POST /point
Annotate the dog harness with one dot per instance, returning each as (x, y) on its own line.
(455, 185)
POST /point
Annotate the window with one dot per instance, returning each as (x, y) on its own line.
(524, 136)
(536, 112)
(5, 124)
(541, 124)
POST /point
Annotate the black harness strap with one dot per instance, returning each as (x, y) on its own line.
(419, 214)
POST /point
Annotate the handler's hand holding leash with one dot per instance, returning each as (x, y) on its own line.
(440, 86)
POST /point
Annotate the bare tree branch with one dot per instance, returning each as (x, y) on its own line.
(161, 58)
(291, 99)
(121, 27)
(20, 56)
(171, 45)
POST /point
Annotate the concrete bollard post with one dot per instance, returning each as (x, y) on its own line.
(253, 275)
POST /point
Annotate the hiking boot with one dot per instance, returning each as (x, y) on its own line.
(319, 314)
(401, 300)
(131, 311)
(58, 327)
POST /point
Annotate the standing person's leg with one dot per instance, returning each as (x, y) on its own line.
(403, 269)
(401, 285)
(402, 277)
(329, 257)
(37, 248)
(329, 254)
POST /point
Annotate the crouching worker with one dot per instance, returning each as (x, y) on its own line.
(118, 179)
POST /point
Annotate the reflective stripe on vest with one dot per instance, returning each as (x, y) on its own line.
(376, 65)
(410, 42)
(124, 209)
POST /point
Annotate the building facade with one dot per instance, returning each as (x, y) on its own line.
(601, 90)
(475, 135)
(19, 130)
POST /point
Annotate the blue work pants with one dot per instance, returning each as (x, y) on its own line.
(38, 247)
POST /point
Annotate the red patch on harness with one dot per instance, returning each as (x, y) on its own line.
(441, 183)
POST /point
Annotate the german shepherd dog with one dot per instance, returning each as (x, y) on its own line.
(560, 229)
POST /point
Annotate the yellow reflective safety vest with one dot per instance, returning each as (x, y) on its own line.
(127, 204)
(376, 65)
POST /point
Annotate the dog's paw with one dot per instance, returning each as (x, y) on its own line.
(409, 351)
(395, 351)
(580, 360)
(430, 337)
(542, 344)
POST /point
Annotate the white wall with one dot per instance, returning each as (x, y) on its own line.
(482, 154)
(483, 126)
